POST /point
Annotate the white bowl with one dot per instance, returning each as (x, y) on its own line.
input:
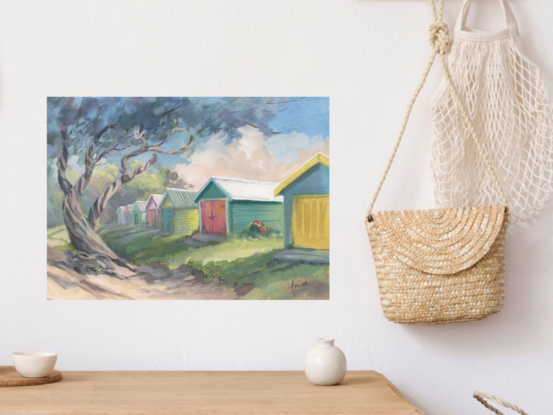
(34, 364)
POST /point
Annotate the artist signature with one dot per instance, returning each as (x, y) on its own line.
(294, 286)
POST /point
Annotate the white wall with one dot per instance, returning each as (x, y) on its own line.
(367, 55)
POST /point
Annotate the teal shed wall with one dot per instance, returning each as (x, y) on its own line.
(244, 212)
(211, 192)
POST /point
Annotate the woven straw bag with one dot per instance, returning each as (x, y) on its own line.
(482, 397)
(442, 265)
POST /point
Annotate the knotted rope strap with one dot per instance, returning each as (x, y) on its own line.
(481, 397)
(441, 45)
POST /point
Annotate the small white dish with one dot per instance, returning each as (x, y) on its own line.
(34, 364)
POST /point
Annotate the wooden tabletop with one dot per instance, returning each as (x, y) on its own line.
(213, 393)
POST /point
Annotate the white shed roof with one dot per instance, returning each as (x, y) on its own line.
(237, 189)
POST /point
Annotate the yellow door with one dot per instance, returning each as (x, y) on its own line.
(311, 221)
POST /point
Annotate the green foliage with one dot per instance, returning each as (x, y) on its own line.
(172, 179)
(145, 185)
(154, 182)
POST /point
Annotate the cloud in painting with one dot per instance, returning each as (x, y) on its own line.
(252, 157)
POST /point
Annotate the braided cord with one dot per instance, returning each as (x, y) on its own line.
(441, 45)
(481, 397)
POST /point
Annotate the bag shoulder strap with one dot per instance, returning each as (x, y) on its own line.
(441, 45)
(481, 397)
(510, 19)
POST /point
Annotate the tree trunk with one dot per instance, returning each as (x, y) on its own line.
(102, 201)
(83, 237)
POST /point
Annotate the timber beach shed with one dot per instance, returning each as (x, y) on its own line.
(139, 213)
(152, 210)
(128, 215)
(228, 206)
(179, 212)
(306, 204)
(121, 214)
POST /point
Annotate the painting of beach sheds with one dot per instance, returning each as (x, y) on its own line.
(307, 205)
(121, 214)
(211, 198)
(138, 213)
(127, 214)
(228, 206)
(179, 212)
(152, 210)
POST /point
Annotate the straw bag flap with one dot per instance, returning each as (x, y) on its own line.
(439, 241)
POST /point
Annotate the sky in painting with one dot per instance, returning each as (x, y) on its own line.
(304, 131)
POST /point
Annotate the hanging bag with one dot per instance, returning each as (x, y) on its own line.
(442, 265)
(512, 114)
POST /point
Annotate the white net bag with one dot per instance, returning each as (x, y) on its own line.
(508, 103)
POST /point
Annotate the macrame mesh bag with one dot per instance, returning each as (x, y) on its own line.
(507, 101)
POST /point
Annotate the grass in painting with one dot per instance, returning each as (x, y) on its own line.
(284, 281)
(141, 244)
(232, 249)
(245, 266)
(260, 277)
(58, 238)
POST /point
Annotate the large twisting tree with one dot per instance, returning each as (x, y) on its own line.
(118, 131)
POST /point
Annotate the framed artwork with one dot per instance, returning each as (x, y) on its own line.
(174, 198)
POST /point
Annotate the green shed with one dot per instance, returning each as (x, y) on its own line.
(138, 213)
(179, 212)
(228, 206)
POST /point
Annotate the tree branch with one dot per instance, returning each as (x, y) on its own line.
(170, 111)
(90, 160)
(130, 155)
(65, 184)
(156, 147)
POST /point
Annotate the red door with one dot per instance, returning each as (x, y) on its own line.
(214, 220)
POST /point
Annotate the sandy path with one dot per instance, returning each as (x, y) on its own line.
(66, 281)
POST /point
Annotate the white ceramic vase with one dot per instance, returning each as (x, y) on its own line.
(325, 364)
